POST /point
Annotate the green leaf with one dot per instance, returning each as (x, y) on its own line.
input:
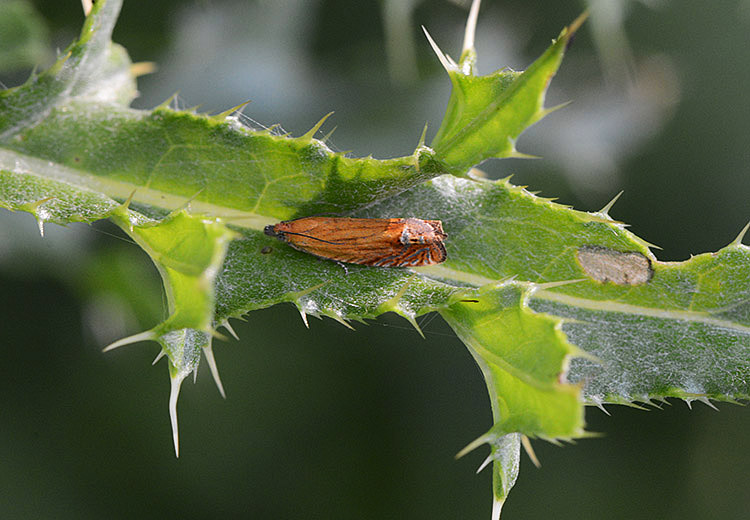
(685, 333)
(486, 114)
(92, 68)
(521, 353)
(681, 331)
(188, 251)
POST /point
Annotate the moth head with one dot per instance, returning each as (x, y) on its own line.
(270, 230)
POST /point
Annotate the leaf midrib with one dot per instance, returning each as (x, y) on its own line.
(626, 308)
(23, 164)
(445, 273)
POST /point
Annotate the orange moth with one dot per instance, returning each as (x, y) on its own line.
(382, 242)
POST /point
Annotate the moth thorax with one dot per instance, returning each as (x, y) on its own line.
(404, 238)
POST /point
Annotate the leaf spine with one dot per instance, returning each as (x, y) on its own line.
(166, 104)
(471, 26)
(227, 113)
(738, 241)
(311, 133)
(608, 206)
(303, 314)
(229, 329)
(142, 68)
(135, 338)
(174, 393)
(421, 142)
(326, 137)
(571, 30)
(529, 449)
(213, 367)
(448, 64)
(486, 462)
(160, 355)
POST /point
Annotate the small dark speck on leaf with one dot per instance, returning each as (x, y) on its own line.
(266, 250)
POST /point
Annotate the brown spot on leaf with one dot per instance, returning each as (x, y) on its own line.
(607, 265)
(266, 250)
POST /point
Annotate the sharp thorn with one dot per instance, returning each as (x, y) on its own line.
(471, 26)
(422, 138)
(186, 205)
(142, 68)
(473, 445)
(515, 154)
(311, 133)
(227, 113)
(608, 206)
(447, 63)
(738, 241)
(135, 338)
(218, 335)
(328, 135)
(174, 393)
(526, 443)
(410, 318)
(571, 30)
(304, 318)
(229, 329)
(167, 102)
(160, 355)
(485, 463)
(213, 367)
(340, 320)
(547, 111)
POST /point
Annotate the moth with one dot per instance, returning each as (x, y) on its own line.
(381, 242)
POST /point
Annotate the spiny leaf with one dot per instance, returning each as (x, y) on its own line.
(521, 353)
(661, 331)
(704, 301)
(486, 114)
(92, 67)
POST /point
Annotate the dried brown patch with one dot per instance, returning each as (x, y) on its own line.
(621, 268)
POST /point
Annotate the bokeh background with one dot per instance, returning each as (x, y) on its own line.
(334, 424)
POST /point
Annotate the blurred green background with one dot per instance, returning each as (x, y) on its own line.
(330, 423)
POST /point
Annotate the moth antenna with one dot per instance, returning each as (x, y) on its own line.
(306, 236)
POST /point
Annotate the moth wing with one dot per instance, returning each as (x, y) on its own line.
(358, 241)
(415, 256)
(342, 230)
